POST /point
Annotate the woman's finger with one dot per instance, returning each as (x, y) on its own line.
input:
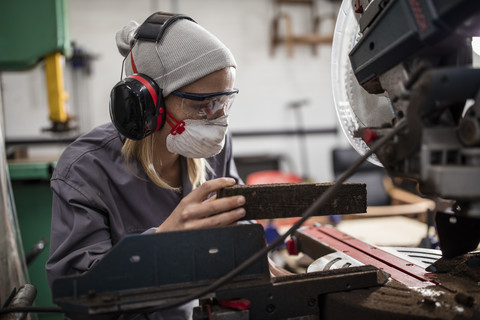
(212, 198)
(222, 219)
(208, 187)
(212, 207)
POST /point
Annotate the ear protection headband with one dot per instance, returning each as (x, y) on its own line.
(137, 107)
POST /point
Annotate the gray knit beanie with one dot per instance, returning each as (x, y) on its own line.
(186, 53)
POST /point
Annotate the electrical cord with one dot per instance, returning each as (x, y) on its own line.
(31, 309)
(308, 213)
(247, 263)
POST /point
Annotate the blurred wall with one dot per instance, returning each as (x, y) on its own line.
(268, 84)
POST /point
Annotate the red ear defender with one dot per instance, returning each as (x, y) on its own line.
(159, 107)
(137, 108)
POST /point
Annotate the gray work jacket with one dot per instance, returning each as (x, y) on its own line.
(98, 199)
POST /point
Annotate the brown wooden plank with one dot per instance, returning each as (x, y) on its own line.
(286, 200)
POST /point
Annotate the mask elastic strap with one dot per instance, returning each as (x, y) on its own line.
(132, 62)
(177, 126)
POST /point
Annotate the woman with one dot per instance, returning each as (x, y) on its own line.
(106, 185)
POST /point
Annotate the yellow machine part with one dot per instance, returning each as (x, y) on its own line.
(57, 96)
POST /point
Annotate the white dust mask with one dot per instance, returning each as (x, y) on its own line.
(197, 138)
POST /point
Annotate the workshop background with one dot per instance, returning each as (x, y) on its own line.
(284, 113)
(281, 95)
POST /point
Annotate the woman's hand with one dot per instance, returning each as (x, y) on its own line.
(194, 212)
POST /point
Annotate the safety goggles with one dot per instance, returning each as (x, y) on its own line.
(206, 105)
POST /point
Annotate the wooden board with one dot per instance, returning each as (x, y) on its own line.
(286, 200)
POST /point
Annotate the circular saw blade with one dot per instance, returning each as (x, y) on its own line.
(355, 107)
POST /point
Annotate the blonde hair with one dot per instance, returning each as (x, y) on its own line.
(142, 151)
